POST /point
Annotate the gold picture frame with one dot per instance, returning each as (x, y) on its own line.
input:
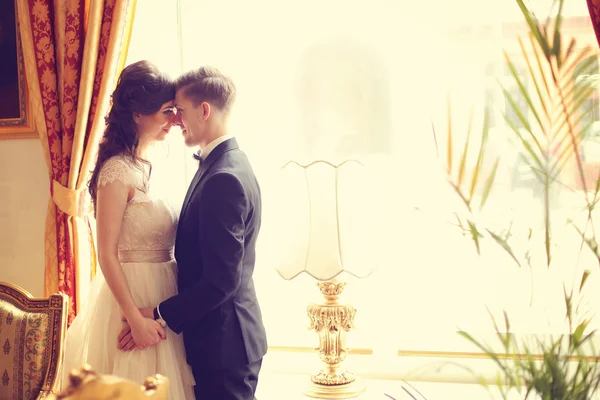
(15, 115)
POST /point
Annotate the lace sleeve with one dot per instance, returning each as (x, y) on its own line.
(117, 169)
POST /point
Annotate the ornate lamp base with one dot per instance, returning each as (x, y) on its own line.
(331, 321)
(346, 391)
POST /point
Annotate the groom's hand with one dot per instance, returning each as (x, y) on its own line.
(125, 339)
(149, 313)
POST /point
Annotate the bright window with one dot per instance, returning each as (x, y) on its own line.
(355, 79)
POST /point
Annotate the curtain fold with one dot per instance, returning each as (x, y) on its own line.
(73, 51)
(594, 8)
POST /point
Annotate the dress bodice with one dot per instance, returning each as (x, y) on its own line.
(150, 221)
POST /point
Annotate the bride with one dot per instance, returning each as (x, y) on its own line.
(136, 234)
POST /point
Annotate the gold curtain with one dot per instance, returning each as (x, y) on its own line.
(594, 9)
(73, 51)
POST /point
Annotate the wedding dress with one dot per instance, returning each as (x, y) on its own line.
(146, 254)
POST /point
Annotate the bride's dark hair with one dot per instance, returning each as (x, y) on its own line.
(141, 89)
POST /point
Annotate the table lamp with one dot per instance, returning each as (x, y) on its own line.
(328, 235)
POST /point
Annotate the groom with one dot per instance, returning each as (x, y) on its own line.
(216, 308)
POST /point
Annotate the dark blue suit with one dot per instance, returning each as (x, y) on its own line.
(216, 308)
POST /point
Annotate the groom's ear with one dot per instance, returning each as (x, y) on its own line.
(206, 110)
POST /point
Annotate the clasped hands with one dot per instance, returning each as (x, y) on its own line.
(141, 333)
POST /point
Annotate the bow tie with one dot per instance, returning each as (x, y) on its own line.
(198, 158)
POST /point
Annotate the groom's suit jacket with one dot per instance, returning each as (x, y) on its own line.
(216, 308)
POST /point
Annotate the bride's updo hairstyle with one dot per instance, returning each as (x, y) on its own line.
(141, 89)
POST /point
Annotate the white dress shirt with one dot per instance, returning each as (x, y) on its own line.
(211, 146)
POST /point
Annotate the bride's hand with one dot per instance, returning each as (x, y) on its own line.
(146, 332)
(126, 342)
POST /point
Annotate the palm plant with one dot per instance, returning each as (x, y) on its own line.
(560, 368)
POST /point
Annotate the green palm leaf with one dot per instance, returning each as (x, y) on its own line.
(549, 134)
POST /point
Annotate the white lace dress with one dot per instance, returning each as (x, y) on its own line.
(146, 255)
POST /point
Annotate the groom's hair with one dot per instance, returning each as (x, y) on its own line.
(208, 84)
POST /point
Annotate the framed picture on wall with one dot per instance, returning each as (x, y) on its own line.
(15, 112)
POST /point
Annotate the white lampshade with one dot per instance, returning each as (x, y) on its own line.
(326, 226)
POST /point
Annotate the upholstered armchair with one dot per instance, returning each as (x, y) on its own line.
(32, 336)
(86, 384)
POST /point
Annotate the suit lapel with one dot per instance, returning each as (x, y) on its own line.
(191, 188)
(230, 144)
